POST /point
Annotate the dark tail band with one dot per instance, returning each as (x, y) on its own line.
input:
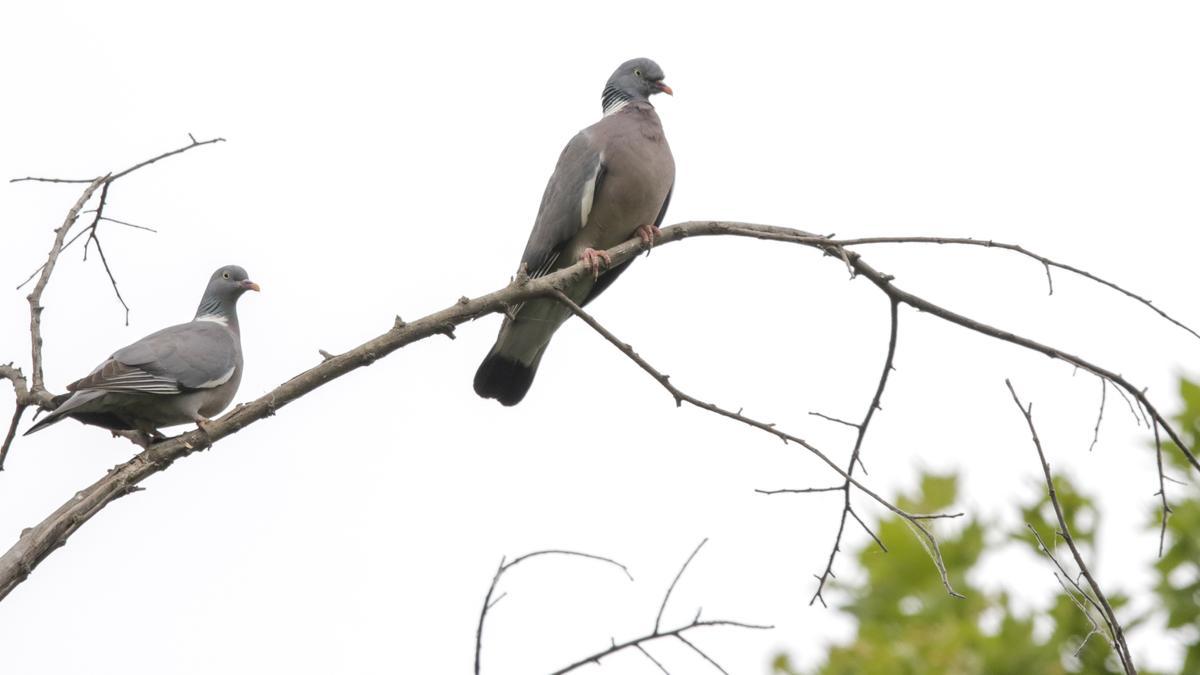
(504, 379)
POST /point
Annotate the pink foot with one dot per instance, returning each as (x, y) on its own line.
(648, 233)
(594, 258)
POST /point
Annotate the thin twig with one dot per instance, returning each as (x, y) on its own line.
(111, 278)
(674, 633)
(1162, 491)
(488, 603)
(1137, 419)
(658, 634)
(12, 432)
(823, 416)
(662, 607)
(90, 230)
(122, 222)
(652, 659)
(1110, 617)
(855, 456)
(135, 167)
(699, 651)
(1046, 262)
(1100, 415)
(833, 488)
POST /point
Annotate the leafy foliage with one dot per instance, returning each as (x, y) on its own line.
(1178, 584)
(909, 625)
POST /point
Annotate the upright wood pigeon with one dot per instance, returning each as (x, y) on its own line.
(184, 373)
(613, 180)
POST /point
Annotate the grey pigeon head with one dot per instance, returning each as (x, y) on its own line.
(634, 80)
(224, 288)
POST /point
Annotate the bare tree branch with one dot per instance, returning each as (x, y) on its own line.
(40, 540)
(674, 633)
(122, 222)
(1100, 414)
(658, 634)
(91, 230)
(699, 651)
(126, 172)
(35, 297)
(833, 488)
(663, 607)
(1047, 263)
(12, 432)
(885, 282)
(1117, 634)
(847, 508)
(488, 603)
(1162, 491)
(823, 416)
(652, 659)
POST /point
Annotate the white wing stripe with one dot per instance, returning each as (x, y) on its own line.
(218, 381)
(589, 194)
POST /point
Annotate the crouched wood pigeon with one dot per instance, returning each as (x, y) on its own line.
(184, 373)
(613, 180)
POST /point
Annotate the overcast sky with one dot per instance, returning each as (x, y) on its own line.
(386, 160)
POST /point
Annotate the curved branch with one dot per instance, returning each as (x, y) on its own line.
(658, 634)
(1046, 262)
(40, 540)
(488, 603)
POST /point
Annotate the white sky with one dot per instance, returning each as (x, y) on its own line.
(385, 159)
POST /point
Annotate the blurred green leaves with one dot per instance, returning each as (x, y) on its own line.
(909, 625)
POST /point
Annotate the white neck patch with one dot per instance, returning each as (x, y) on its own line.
(616, 106)
(224, 321)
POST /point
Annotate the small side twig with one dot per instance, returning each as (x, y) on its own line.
(823, 416)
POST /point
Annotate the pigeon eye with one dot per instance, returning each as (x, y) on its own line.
(637, 71)
(226, 275)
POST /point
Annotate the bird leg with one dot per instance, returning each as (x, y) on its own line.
(593, 258)
(202, 423)
(139, 438)
(648, 233)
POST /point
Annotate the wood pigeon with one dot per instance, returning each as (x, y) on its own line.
(184, 373)
(613, 180)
